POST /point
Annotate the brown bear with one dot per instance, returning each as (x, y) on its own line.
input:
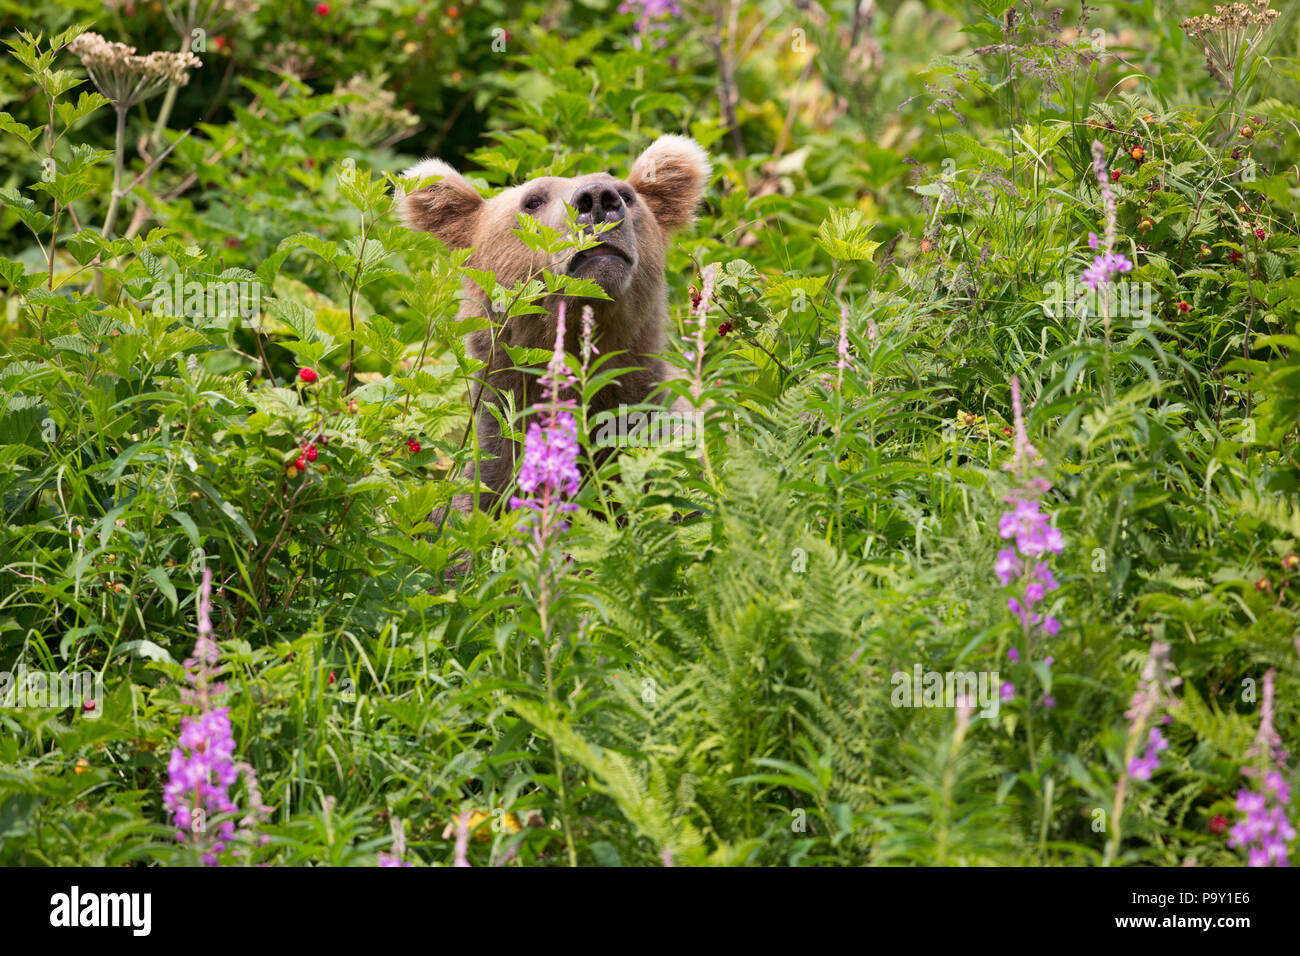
(659, 195)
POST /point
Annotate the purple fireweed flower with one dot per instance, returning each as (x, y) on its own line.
(203, 664)
(462, 840)
(1025, 567)
(399, 846)
(557, 377)
(1141, 768)
(652, 13)
(1008, 567)
(549, 471)
(1273, 783)
(1033, 532)
(1103, 270)
(1155, 687)
(1266, 829)
(1107, 195)
(1108, 263)
(550, 467)
(1154, 692)
(1007, 691)
(1014, 655)
(202, 768)
(707, 279)
(1268, 743)
(257, 810)
(587, 343)
(1026, 456)
(842, 361)
(200, 779)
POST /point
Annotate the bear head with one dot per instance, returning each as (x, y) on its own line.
(659, 195)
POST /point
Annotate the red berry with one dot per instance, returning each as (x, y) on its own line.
(219, 42)
(300, 464)
(413, 446)
(1219, 823)
(308, 375)
(724, 328)
(1259, 234)
(1234, 256)
(88, 706)
(312, 453)
(322, 9)
(1114, 175)
(331, 677)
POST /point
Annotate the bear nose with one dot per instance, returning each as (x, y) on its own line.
(597, 203)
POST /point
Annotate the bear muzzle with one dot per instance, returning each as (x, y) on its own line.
(609, 264)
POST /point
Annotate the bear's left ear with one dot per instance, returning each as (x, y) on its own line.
(670, 176)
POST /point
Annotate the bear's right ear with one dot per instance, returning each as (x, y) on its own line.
(448, 208)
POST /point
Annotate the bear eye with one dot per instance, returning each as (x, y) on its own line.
(534, 202)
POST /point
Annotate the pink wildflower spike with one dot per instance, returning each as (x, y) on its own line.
(201, 769)
(1026, 566)
(557, 377)
(588, 339)
(462, 839)
(1108, 263)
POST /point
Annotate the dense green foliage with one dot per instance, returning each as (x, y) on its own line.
(706, 676)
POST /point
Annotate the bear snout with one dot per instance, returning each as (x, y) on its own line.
(598, 203)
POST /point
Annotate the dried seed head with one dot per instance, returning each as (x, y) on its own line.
(125, 78)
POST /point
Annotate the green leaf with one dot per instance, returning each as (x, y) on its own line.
(160, 578)
(26, 133)
(146, 649)
(844, 235)
(86, 104)
(329, 251)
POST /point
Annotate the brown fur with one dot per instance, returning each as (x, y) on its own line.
(665, 183)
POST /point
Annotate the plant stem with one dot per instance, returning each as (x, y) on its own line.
(543, 610)
(165, 111)
(119, 161)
